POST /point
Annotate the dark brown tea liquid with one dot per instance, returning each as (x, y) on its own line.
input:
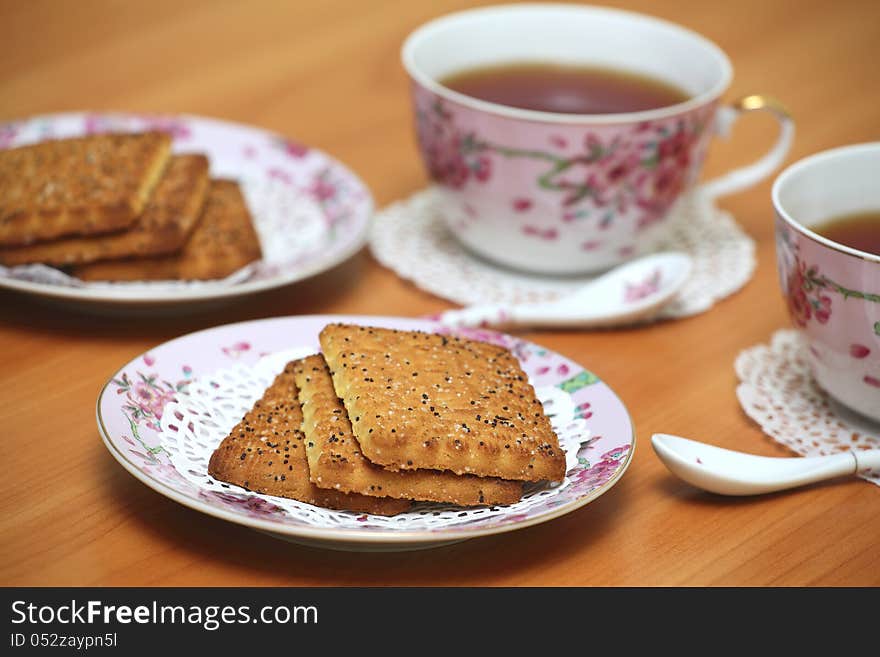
(858, 231)
(565, 89)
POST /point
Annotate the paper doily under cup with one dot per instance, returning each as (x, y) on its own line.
(778, 391)
(410, 237)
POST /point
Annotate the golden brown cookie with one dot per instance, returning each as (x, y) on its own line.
(424, 401)
(78, 186)
(163, 227)
(265, 453)
(223, 241)
(335, 459)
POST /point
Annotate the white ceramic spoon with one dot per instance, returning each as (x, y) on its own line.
(727, 472)
(631, 291)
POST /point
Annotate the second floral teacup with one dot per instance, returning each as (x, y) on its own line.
(570, 193)
(833, 290)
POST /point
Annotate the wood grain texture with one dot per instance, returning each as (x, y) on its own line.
(328, 74)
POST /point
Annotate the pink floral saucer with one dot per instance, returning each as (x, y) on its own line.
(163, 414)
(311, 212)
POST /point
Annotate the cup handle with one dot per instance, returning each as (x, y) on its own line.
(744, 177)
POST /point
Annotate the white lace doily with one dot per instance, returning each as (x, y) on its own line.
(778, 391)
(192, 427)
(411, 238)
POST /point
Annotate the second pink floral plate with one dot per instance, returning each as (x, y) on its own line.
(162, 415)
(310, 212)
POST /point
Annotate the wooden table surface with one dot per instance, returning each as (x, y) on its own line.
(328, 74)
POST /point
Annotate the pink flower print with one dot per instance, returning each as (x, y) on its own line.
(8, 131)
(445, 165)
(294, 149)
(150, 400)
(675, 147)
(237, 349)
(591, 245)
(636, 291)
(858, 351)
(548, 234)
(258, 507)
(597, 189)
(452, 157)
(321, 190)
(516, 517)
(149, 360)
(577, 195)
(618, 169)
(456, 171)
(806, 292)
(823, 309)
(616, 454)
(482, 168)
(522, 204)
(563, 369)
(254, 506)
(601, 471)
(95, 123)
(668, 182)
(640, 171)
(598, 474)
(607, 173)
(144, 394)
(659, 193)
(277, 173)
(871, 381)
(593, 146)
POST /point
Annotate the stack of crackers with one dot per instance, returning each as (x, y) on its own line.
(121, 207)
(382, 418)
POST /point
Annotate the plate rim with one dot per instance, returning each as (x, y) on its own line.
(343, 535)
(103, 296)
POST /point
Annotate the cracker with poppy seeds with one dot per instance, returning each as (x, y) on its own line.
(266, 453)
(78, 186)
(223, 241)
(335, 459)
(425, 401)
(163, 226)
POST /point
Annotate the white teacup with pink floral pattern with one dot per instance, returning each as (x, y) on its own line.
(833, 291)
(570, 193)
